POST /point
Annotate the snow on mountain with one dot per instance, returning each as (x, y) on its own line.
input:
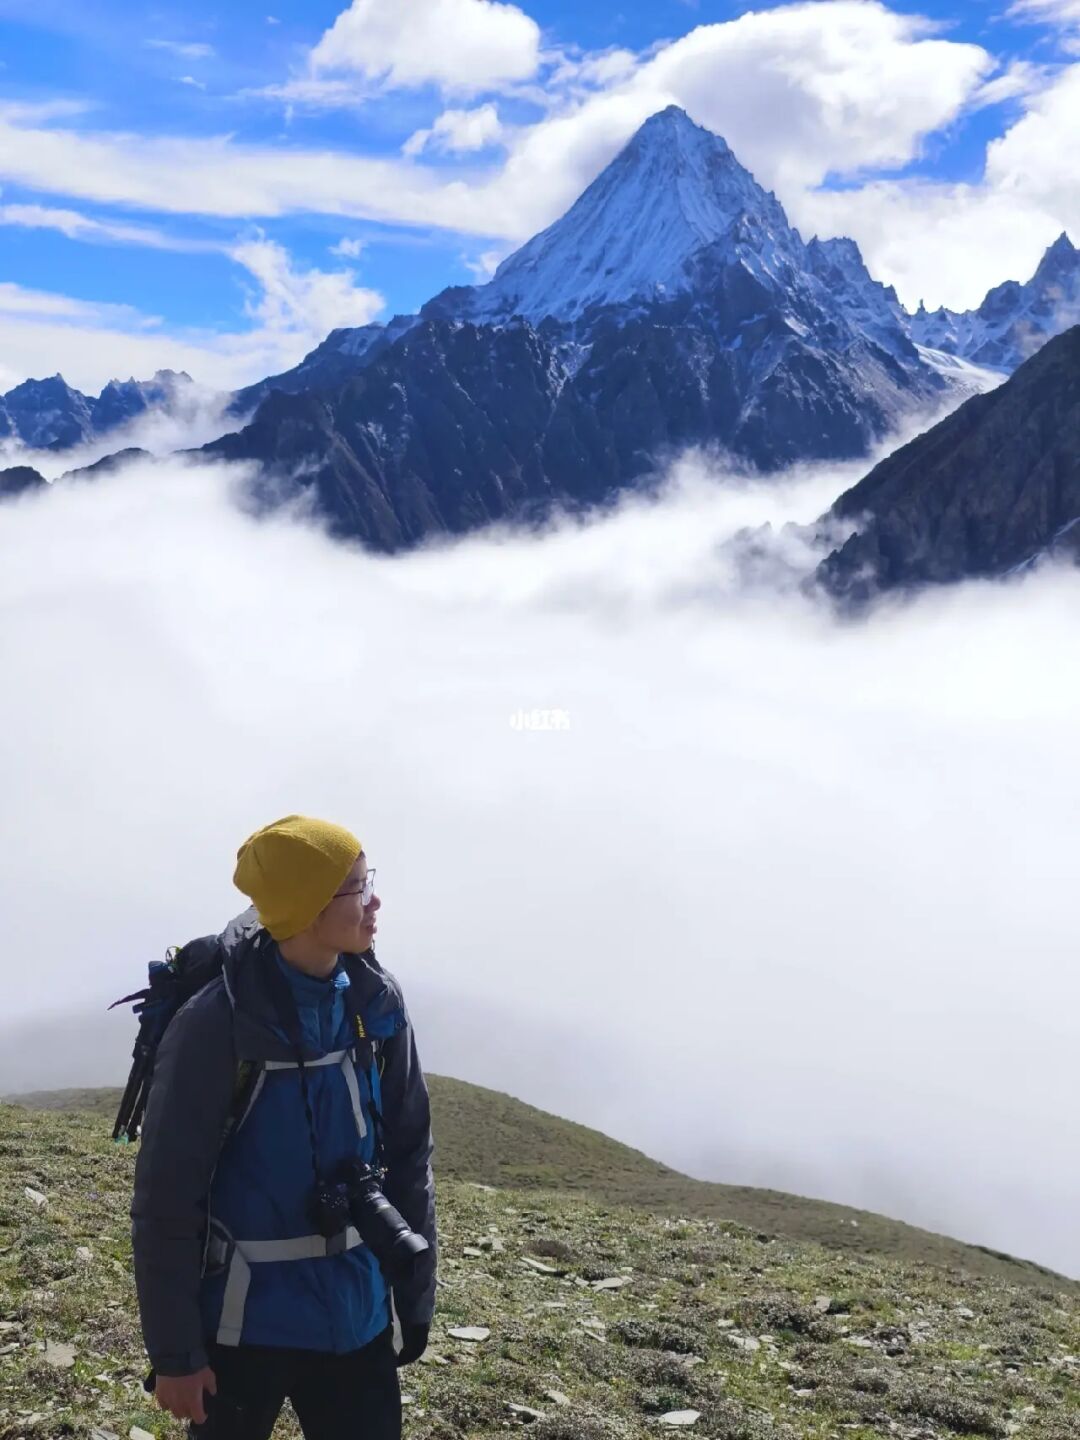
(674, 190)
(672, 306)
(46, 413)
(51, 415)
(1014, 320)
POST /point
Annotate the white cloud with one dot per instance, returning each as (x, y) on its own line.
(485, 264)
(456, 132)
(350, 248)
(312, 92)
(463, 46)
(949, 243)
(800, 92)
(1063, 13)
(45, 305)
(292, 310)
(817, 849)
(307, 302)
(218, 176)
(83, 227)
(184, 49)
(190, 80)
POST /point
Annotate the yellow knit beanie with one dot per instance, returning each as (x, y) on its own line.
(291, 869)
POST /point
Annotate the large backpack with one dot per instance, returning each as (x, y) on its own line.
(185, 971)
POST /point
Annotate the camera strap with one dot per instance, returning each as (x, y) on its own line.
(365, 1050)
(289, 1018)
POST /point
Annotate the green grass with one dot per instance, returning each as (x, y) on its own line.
(486, 1136)
(754, 1333)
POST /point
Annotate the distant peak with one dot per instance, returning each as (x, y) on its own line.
(670, 115)
(1061, 255)
(674, 123)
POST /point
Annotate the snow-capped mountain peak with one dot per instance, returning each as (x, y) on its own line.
(674, 190)
(1061, 260)
(1014, 320)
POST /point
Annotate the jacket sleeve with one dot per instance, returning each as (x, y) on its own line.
(410, 1183)
(188, 1106)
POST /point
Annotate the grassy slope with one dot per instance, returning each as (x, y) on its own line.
(853, 1346)
(487, 1136)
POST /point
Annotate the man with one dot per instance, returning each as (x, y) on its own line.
(254, 1283)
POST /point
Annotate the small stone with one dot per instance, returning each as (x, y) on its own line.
(557, 1397)
(60, 1355)
(823, 1304)
(860, 1342)
(36, 1197)
(477, 1186)
(726, 1324)
(525, 1411)
(554, 1305)
(84, 1255)
(135, 1433)
(469, 1332)
(408, 1399)
(964, 1313)
(616, 1282)
(9, 1349)
(6, 1325)
(745, 1342)
(472, 1250)
(680, 1417)
(539, 1266)
(97, 1433)
(429, 1358)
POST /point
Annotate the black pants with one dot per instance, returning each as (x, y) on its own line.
(355, 1396)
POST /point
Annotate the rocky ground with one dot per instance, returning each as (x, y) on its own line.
(556, 1314)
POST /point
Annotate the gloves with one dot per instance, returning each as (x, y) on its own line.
(414, 1339)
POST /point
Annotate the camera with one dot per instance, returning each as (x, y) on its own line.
(356, 1199)
(393, 1243)
(330, 1209)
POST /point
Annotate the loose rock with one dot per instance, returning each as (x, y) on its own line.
(469, 1332)
(59, 1355)
(539, 1266)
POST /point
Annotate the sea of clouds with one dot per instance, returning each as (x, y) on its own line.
(782, 898)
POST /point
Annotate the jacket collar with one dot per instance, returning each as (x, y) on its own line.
(247, 948)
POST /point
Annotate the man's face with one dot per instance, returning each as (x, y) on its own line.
(346, 924)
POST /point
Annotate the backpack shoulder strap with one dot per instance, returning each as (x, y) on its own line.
(246, 1085)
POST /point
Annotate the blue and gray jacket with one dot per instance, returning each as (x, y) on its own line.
(222, 1233)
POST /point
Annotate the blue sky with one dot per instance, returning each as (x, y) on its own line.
(176, 184)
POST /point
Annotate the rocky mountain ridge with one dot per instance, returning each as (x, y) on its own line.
(672, 306)
(1014, 321)
(990, 491)
(50, 415)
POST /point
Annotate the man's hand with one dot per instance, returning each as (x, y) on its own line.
(182, 1395)
(414, 1339)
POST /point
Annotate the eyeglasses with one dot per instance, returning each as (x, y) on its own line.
(365, 891)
